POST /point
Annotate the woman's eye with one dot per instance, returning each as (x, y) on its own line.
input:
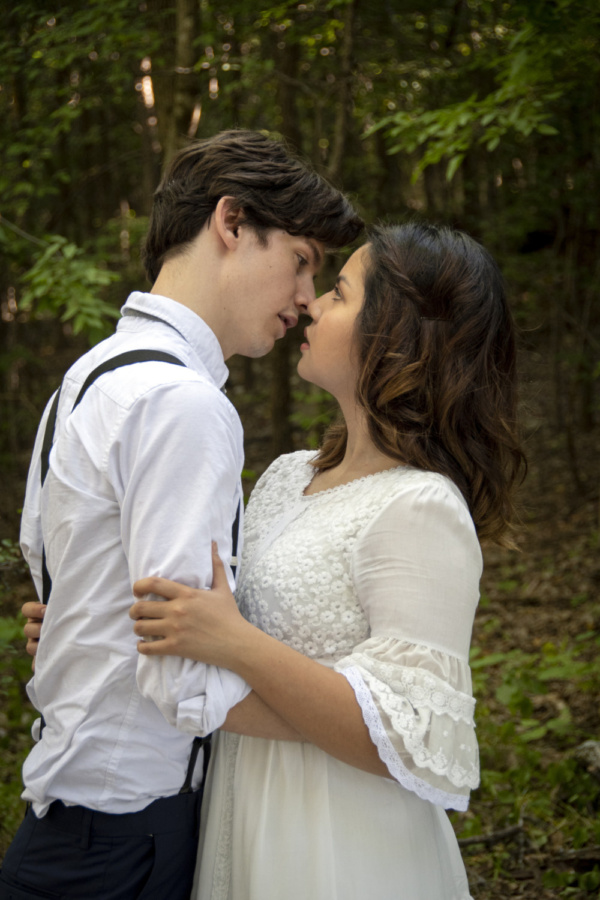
(336, 293)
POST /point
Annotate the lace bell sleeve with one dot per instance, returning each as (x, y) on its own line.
(416, 570)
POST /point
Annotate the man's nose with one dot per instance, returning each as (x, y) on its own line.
(305, 296)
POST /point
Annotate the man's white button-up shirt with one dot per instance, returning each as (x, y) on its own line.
(144, 473)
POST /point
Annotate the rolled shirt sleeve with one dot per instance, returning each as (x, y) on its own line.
(176, 465)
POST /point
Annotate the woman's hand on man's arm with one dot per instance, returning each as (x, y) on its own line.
(34, 613)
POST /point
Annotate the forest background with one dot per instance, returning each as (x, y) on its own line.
(480, 113)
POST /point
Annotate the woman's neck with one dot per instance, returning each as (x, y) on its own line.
(361, 457)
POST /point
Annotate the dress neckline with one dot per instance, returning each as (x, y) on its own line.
(346, 484)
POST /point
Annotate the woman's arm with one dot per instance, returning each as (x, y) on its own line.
(252, 717)
(315, 701)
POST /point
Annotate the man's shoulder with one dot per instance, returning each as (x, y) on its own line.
(126, 384)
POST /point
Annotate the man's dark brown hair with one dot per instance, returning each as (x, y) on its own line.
(271, 186)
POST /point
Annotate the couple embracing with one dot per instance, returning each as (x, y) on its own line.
(337, 679)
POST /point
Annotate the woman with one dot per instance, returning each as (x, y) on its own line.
(359, 585)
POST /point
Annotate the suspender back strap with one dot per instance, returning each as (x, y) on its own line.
(126, 359)
(123, 359)
(48, 436)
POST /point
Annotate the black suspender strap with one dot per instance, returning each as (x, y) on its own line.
(126, 359)
(123, 359)
(44, 466)
(189, 775)
(235, 533)
(49, 435)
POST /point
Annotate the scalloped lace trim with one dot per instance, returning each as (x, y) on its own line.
(388, 754)
(420, 688)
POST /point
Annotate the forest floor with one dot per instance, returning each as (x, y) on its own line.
(532, 830)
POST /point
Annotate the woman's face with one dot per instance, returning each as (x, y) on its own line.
(329, 353)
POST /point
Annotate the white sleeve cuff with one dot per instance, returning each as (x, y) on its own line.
(203, 714)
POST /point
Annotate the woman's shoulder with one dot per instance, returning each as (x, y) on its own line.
(289, 464)
(403, 484)
(427, 485)
(291, 471)
(426, 506)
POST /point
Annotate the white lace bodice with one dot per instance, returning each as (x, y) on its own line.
(297, 582)
(379, 579)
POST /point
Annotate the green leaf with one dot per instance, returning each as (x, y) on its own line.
(453, 165)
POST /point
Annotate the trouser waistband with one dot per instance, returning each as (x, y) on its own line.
(164, 815)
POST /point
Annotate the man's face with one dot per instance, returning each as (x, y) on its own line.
(266, 288)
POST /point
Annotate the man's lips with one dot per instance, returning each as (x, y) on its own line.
(288, 321)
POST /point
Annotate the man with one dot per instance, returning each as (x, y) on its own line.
(143, 474)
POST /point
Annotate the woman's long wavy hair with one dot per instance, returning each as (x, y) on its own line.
(437, 368)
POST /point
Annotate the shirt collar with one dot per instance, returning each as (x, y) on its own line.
(193, 329)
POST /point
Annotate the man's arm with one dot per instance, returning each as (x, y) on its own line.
(251, 717)
(176, 465)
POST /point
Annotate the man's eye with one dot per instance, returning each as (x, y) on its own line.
(302, 261)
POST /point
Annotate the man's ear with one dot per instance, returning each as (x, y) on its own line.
(227, 218)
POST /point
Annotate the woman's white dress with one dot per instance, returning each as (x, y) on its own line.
(379, 579)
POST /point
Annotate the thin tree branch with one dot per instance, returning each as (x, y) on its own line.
(493, 838)
(19, 231)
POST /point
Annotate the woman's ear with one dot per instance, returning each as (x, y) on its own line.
(227, 218)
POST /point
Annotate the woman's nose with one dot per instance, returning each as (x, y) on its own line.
(313, 308)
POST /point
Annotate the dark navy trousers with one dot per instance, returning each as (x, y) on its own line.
(78, 854)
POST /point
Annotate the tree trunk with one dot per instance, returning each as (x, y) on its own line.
(175, 84)
(343, 109)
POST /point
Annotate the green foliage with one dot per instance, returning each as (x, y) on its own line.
(527, 676)
(572, 883)
(519, 712)
(16, 717)
(11, 564)
(535, 57)
(315, 411)
(63, 282)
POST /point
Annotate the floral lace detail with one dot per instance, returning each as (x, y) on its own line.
(422, 689)
(311, 605)
(388, 754)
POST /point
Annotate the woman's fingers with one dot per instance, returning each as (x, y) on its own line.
(34, 613)
(161, 586)
(154, 648)
(33, 610)
(149, 609)
(32, 647)
(33, 629)
(146, 627)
